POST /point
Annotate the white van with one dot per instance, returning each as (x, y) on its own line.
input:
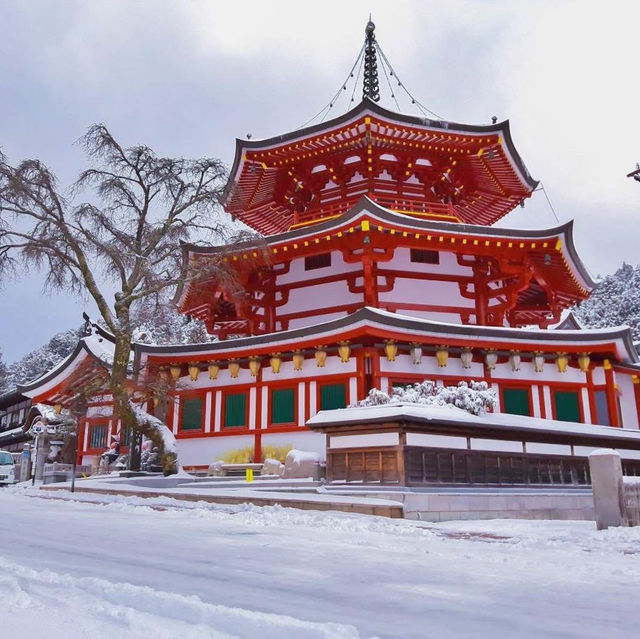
(7, 468)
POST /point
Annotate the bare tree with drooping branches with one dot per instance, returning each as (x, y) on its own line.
(121, 224)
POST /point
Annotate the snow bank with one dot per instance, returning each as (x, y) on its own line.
(58, 605)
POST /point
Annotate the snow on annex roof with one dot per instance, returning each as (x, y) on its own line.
(98, 346)
(377, 323)
(454, 416)
(365, 208)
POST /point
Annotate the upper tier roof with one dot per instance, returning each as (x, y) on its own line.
(414, 165)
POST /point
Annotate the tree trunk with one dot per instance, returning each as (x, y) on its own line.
(123, 410)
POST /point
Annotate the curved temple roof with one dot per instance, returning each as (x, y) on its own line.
(378, 323)
(472, 173)
(552, 250)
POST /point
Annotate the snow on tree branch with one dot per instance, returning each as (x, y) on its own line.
(474, 397)
(147, 421)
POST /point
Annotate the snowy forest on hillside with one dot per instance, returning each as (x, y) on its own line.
(160, 324)
(615, 302)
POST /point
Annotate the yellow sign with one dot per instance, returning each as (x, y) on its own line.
(249, 472)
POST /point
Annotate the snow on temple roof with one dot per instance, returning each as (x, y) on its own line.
(369, 320)
(98, 346)
(453, 415)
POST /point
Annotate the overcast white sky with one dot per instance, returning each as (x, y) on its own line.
(187, 77)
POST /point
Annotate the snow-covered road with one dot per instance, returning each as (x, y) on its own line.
(123, 569)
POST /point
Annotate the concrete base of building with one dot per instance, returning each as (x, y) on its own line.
(446, 506)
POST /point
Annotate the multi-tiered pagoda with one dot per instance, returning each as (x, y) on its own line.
(380, 265)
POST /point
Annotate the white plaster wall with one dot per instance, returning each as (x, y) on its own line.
(204, 450)
(548, 449)
(448, 263)
(583, 451)
(298, 274)
(332, 366)
(496, 445)
(428, 367)
(357, 441)
(432, 292)
(526, 373)
(629, 454)
(598, 376)
(627, 401)
(307, 441)
(327, 295)
(436, 441)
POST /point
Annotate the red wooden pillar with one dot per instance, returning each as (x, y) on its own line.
(592, 398)
(80, 443)
(636, 393)
(257, 437)
(612, 398)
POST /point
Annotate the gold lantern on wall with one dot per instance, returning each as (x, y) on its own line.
(213, 369)
(344, 350)
(298, 360)
(466, 357)
(57, 408)
(194, 371)
(514, 360)
(442, 355)
(491, 358)
(416, 353)
(321, 356)
(391, 350)
(538, 361)
(562, 361)
(176, 371)
(276, 362)
(254, 366)
(163, 374)
(584, 360)
(234, 368)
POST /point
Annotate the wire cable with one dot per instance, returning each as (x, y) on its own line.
(343, 87)
(384, 70)
(419, 104)
(546, 195)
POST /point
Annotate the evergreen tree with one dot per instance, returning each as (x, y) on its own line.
(5, 381)
(614, 302)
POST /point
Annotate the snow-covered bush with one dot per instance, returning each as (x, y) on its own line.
(474, 397)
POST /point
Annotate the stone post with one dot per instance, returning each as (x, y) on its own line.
(25, 463)
(41, 456)
(608, 489)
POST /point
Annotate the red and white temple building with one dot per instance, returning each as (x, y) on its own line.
(380, 265)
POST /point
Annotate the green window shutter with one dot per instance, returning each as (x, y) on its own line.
(98, 437)
(125, 436)
(235, 410)
(191, 414)
(567, 406)
(333, 396)
(515, 401)
(283, 410)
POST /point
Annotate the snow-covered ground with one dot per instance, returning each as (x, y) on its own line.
(109, 566)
